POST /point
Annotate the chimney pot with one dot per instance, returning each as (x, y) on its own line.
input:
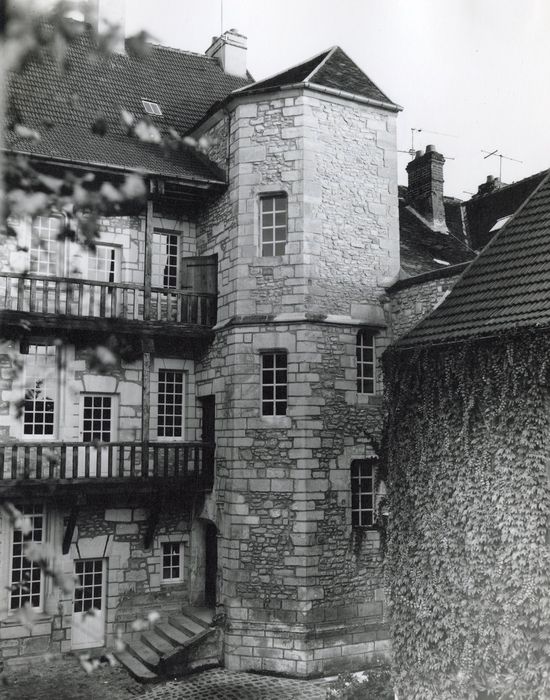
(431, 148)
(419, 154)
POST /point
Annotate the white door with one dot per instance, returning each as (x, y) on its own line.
(88, 624)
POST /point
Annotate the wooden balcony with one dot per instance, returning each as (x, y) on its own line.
(86, 299)
(66, 464)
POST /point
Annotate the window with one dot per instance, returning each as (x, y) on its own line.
(97, 417)
(151, 107)
(365, 362)
(26, 576)
(165, 260)
(102, 264)
(362, 492)
(172, 561)
(274, 216)
(274, 384)
(45, 247)
(39, 404)
(170, 403)
(90, 593)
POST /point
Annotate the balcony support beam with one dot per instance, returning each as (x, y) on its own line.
(148, 261)
(152, 521)
(70, 527)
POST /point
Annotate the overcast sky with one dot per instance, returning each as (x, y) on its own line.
(476, 71)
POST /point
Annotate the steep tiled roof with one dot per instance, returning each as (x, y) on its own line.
(507, 287)
(421, 248)
(62, 105)
(484, 210)
(332, 69)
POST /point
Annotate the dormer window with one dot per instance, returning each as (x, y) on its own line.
(151, 108)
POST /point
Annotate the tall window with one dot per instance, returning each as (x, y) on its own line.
(102, 264)
(170, 403)
(363, 473)
(40, 378)
(365, 362)
(172, 561)
(97, 416)
(26, 575)
(165, 260)
(274, 224)
(89, 595)
(45, 247)
(274, 384)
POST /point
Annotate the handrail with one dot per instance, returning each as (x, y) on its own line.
(70, 280)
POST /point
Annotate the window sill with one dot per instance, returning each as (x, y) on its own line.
(14, 621)
(368, 399)
(275, 421)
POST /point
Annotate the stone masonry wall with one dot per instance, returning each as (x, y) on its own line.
(410, 304)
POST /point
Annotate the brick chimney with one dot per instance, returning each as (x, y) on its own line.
(493, 183)
(108, 16)
(230, 50)
(425, 191)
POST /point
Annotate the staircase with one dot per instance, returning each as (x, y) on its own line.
(185, 643)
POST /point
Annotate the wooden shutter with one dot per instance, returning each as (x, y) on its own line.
(200, 274)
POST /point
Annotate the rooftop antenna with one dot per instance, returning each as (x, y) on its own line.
(415, 130)
(221, 17)
(500, 156)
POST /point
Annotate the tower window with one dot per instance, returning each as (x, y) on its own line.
(365, 348)
(274, 224)
(362, 492)
(274, 384)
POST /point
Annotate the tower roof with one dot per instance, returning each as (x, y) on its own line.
(332, 69)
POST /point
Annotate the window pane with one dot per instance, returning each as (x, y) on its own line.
(170, 403)
(362, 492)
(364, 352)
(26, 576)
(274, 384)
(274, 226)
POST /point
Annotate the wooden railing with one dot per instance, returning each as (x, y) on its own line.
(114, 460)
(79, 297)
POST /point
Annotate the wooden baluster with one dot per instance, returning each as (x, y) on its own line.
(20, 293)
(166, 456)
(133, 460)
(80, 289)
(124, 309)
(114, 298)
(2, 454)
(32, 300)
(121, 461)
(74, 467)
(14, 461)
(102, 301)
(110, 462)
(57, 297)
(26, 462)
(39, 462)
(98, 457)
(185, 460)
(91, 300)
(156, 460)
(7, 293)
(87, 461)
(62, 461)
(176, 461)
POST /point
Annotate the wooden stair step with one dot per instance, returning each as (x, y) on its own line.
(172, 634)
(202, 616)
(159, 644)
(136, 668)
(144, 653)
(187, 624)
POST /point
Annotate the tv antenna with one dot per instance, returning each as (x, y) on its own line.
(415, 130)
(500, 157)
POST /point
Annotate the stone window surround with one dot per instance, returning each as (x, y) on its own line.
(183, 539)
(362, 334)
(261, 191)
(181, 554)
(356, 482)
(276, 198)
(272, 341)
(274, 384)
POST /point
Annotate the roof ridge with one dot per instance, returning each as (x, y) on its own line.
(175, 49)
(320, 65)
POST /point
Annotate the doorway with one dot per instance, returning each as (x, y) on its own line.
(210, 564)
(88, 621)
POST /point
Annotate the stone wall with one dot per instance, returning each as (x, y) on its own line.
(412, 300)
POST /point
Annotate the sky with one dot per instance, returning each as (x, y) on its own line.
(474, 75)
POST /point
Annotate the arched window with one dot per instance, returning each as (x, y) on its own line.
(365, 348)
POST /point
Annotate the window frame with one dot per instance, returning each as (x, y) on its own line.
(360, 363)
(42, 581)
(58, 248)
(358, 513)
(116, 263)
(181, 551)
(183, 373)
(265, 386)
(113, 419)
(53, 378)
(154, 252)
(263, 242)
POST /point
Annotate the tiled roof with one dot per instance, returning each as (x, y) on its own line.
(62, 106)
(506, 288)
(484, 210)
(421, 248)
(332, 69)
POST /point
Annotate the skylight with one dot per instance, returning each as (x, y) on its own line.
(500, 223)
(441, 262)
(151, 108)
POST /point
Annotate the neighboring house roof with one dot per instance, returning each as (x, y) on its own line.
(332, 69)
(62, 106)
(423, 249)
(484, 209)
(505, 288)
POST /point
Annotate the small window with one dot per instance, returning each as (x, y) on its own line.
(39, 404)
(26, 575)
(170, 403)
(172, 562)
(97, 417)
(274, 224)
(274, 384)
(365, 348)
(151, 108)
(362, 492)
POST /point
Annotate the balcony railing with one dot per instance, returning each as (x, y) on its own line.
(33, 461)
(86, 298)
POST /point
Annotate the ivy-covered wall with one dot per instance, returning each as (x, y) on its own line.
(468, 563)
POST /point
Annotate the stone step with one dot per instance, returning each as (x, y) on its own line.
(157, 643)
(203, 616)
(144, 653)
(136, 668)
(173, 634)
(187, 624)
